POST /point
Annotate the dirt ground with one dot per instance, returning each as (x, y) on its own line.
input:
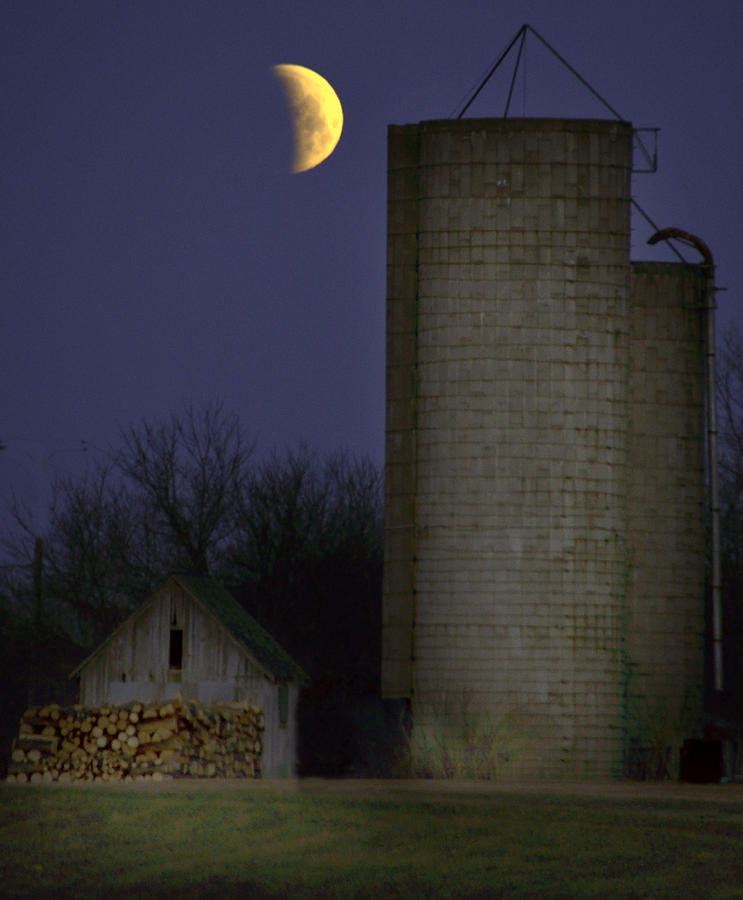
(431, 789)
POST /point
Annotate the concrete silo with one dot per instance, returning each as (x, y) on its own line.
(543, 589)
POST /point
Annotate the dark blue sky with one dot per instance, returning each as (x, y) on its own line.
(156, 248)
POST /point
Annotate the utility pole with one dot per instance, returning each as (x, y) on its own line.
(35, 680)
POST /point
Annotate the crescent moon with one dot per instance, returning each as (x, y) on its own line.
(318, 115)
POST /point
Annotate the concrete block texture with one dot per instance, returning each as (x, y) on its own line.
(516, 477)
(665, 618)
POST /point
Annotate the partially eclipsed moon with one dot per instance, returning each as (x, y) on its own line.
(318, 115)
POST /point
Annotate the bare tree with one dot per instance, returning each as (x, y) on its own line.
(280, 525)
(167, 500)
(308, 559)
(730, 455)
(191, 473)
(82, 562)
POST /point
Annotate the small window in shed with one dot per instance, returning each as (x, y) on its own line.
(175, 657)
(283, 703)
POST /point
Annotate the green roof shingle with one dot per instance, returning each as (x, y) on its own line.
(243, 627)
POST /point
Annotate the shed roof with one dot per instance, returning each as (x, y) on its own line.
(243, 627)
(240, 624)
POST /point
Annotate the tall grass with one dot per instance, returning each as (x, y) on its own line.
(451, 739)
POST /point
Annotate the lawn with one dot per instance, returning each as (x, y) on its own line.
(190, 841)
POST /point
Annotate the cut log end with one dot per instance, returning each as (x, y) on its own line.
(112, 743)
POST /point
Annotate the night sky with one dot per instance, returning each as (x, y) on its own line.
(156, 248)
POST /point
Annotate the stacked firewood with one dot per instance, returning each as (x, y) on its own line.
(136, 741)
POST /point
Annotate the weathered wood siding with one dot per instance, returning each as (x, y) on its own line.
(279, 740)
(134, 665)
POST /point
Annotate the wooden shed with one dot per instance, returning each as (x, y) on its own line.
(191, 636)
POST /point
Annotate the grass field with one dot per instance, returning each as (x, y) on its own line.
(190, 841)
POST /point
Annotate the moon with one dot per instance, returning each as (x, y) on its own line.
(317, 115)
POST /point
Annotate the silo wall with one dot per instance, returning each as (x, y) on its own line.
(665, 608)
(508, 592)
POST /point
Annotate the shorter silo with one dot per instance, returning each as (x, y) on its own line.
(664, 644)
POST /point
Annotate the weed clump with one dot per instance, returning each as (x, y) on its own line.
(448, 741)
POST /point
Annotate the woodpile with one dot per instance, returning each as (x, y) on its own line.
(137, 740)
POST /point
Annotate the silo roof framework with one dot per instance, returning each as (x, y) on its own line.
(521, 33)
(650, 157)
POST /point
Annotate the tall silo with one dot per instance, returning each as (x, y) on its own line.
(514, 604)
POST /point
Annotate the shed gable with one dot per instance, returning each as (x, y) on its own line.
(190, 630)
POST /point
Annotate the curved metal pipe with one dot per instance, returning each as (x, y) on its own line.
(714, 499)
